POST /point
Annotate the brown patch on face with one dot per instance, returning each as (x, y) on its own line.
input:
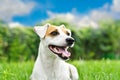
(65, 31)
(51, 31)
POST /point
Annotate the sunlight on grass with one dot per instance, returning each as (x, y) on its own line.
(88, 70)
(98, 70)
(15, 71)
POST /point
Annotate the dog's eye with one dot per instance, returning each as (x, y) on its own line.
(68, 33)
(54, 33)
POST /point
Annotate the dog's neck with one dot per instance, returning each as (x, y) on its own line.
(45, 55)
(46, 60)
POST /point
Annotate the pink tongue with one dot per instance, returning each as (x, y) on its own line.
(64, 52)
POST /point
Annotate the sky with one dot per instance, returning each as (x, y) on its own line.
(78, 12)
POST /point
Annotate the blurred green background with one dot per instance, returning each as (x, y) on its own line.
(21, 43)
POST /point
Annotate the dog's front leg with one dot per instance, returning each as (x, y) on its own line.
(73, 73)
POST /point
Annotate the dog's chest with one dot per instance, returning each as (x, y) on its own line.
(59, 71)
(58, 75)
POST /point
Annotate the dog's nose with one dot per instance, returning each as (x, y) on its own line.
(70, 41)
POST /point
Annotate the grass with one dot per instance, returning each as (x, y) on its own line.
(15, 70)
(98, 70)
(88, 70)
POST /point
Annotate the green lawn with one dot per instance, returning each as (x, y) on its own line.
(15, 70)
(88, 70)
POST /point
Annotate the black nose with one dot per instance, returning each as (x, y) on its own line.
(70, 41)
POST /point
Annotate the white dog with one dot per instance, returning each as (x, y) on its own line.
(50, 64)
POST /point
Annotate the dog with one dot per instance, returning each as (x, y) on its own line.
(50, 63)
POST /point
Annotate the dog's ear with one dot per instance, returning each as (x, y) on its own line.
(62, 26)
(41, 30)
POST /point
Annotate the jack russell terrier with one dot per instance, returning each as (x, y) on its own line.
(50, 64)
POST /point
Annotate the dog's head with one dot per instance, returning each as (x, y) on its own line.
(57, 39)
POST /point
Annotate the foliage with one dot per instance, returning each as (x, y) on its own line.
(17, 44)
(88, 70)
(21, 43)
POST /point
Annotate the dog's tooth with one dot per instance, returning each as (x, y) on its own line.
(66, 48)
(63, 55)
(55, 50)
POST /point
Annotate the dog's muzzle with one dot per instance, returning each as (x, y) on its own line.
(61, 51)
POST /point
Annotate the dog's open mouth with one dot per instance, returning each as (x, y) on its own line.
(61, 51)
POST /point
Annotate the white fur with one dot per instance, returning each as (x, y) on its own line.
(48, 65)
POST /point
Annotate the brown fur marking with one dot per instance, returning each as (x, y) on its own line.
(52, 28)
(65, 31)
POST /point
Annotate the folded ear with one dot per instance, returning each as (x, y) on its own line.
(41, 30)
